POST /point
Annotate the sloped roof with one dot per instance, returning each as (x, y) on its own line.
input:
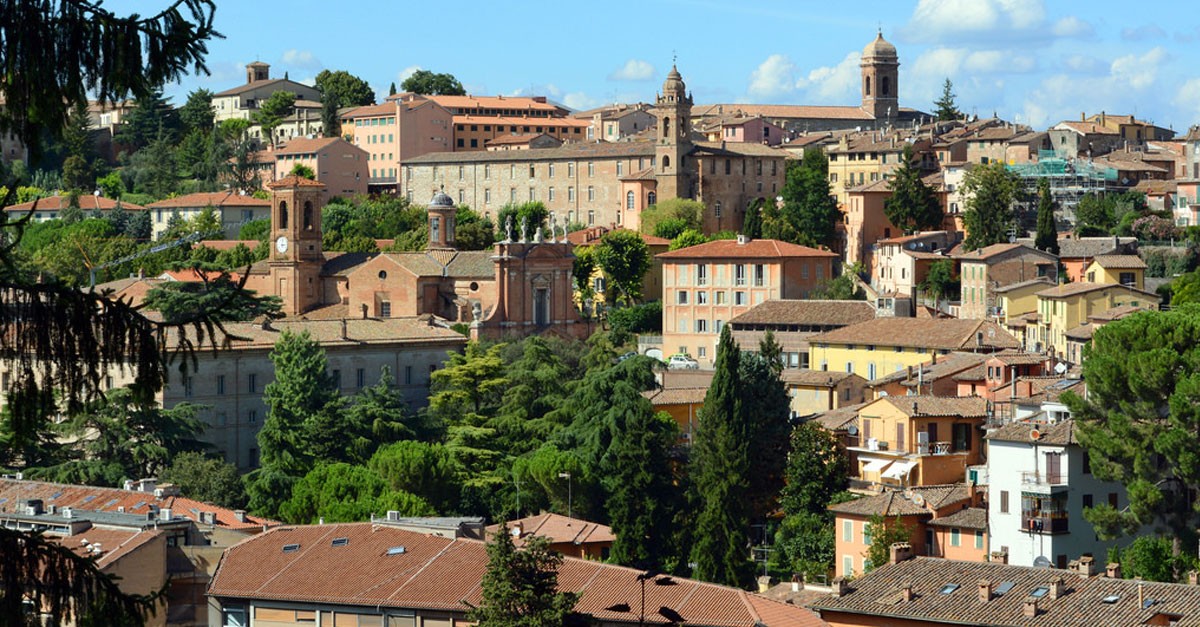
(676, 396)
(1120, 262)
(839, 419)
(928, 372)
(988, 252)
(814, 378)
(968, 518)
(303, 145)
(280, 84)
(114, 543)
(293, 180)
(926, 405)
(812, 312)
(358, 331)
(214, 199)
(87, 202)
(558, 529)
(928, 333)
(799, 112)
(752, 249)
(892, 503)
(569, 151)
(435, 573)
(1072, 289)
(1061, 433)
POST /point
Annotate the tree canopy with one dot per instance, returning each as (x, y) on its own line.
(913, 206)
(625, 259)
(520, 586)
(990, 192)
(1047, 229)
(945, 107)
(433, 84)
(809, 214)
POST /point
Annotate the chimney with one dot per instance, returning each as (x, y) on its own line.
(1086, 566)
(797, 583)
(900, 552)
(364, 311)
(999, 557)
(909, 374)
(1193, 578)
(985, 591)
(1030, 608)
(742, 239)
(839, 587)
(165, 513)
(1057, 587)
(764, 583)
(1113, 570)
(1141, 594)
(971, 493)
(239, 515)
(906, 593)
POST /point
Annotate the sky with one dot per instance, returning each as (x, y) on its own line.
(1029, 61)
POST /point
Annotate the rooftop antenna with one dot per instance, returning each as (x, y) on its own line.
(674, 58)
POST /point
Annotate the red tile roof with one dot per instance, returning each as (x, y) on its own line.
(215, 199)
(751, 249)
(114, 543)
(292, 180)
(558, 529)
(922, 333)
(303, 145)
(87, 202)
(435, 573)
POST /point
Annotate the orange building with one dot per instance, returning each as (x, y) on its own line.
(570, 536)
(340, 165)
(919, 440)
(682, 404)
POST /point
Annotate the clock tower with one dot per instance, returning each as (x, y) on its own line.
(295, 258)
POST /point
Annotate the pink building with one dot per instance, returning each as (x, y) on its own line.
(739, 127)
(399, 129)
(340, 165)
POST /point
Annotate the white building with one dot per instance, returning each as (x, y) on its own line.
(1039, 482)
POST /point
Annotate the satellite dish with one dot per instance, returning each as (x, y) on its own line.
(919, 500)
(1034, 434)
(1060, 368)
(1041, 562)
(882, 393)
(852, 430)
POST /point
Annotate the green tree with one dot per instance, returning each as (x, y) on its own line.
(197, 113)
(941, 282)
(392, 89)
(640, 484)
(1047, 230)
(426, 470)
(155, 169)
(670, 217)
(346, 493)
(533, 213)
(884, 534)
(643, 318)
(752, 224)
(347, 89)
(771, 351)
(272, 111)
(912, 206)
(433, 84)
(625, 259)
(991, 191)
(151, 117)
(810, 212)
(383, 415)
(816, 471)
(766, 406)
(946, 109)
(303, 387)
(207, 479)
(520, 586)
(805, 544)
(582, 271)
(1150, 558)
(687, 239)
(719, 469)
(111, 185)
(1139, 420)
(79, 167)
(303, 171)
(1096, 213)
(841, 287)
(241, 168)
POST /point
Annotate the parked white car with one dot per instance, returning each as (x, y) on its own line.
(682, 361)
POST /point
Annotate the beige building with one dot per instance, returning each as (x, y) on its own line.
(982, 271)
(232, 209)
(707, 285)
(50, 207)
(902, 263)
(814, 391)
(617, 122)
(242, 102)
(340, 165)
(792, 322)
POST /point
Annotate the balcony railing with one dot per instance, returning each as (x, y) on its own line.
(1043, 479)
(1044, 522)
(933, 448)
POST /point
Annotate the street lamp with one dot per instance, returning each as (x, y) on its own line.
(659, 580)
(567, 476)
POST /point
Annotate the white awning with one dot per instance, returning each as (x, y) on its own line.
(874, 465)
(899, 469)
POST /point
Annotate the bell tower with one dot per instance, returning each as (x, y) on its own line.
(672, 141)
(880, 79)
(296, 258)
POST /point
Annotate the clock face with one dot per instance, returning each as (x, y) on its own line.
(281, 244)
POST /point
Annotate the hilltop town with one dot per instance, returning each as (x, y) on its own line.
(712, 364)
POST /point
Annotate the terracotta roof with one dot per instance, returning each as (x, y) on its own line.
(968, 518)
(459, 263)
(928, 372)
(987, 252)
(368, 111)
(566, 152)
(520, 121)
(303, 145)
(359, 331)
(893, 503)
(292, 180)
(1084, 247)
(1087, 128)
(976, 373)
(1012, 287)
(98, 499)
(214, 199)
(369, 570)
(925, 405)
(592, 234)
(752, 249)
(558, 529)
(814, 378)
(493, 102)
(740, 148)
(799, 112)
(517, 140)
(1072, 289)
(279, 83)
(1088, 601)
(114, 543)
(645, 174)
(1018, 358)
(87, 202)
(839, 419)
(808, 312)
(1081, 333)
(925, 333)
(1061, 433)
(676, 396)
(228, 244)
(1116, 313)
(1120, 262)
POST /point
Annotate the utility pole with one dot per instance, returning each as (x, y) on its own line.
(567, 476)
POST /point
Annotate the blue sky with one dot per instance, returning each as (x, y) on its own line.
(1032, 61)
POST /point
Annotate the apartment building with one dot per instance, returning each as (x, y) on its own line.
(707, 285)
(340, 165)
(792, 322)
(51, 207)
(902, 263)
(232, 209)
(919, 440)
(815, 391)
(617, 122)
(1065, 307)
(1128, 270)
(984, 270)
(243, 101)
(394, 131)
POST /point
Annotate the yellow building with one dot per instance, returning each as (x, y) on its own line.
(919, 440)
(1065, 307)
(879, 347)
(813, 391)
(1018, 303)
(682, 404)
(1127, 270)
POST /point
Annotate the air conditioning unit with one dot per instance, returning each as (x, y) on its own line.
(923, 437)
(872, 444)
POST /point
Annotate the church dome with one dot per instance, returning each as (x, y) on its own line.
(674, 82)
(879, 48)
(441, 200)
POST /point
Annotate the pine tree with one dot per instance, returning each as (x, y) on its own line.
(912, 206)
(520, 586)
(392, 89)
(771, 351)
(767, 408)
(991, 191)
(810, 212)
(720, 465)
(1047, 230)
(946, 108)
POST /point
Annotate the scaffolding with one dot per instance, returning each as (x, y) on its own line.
(1070, 180)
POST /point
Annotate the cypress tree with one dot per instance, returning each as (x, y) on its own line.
(720, 468)
(912, 205)
(639, 481)
(392, 89)
(766, 408)
(752, 226)
(1047, 231)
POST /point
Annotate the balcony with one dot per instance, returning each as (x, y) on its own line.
(1043, 483)
(933, 448)
(381, 180)
(1044, 522)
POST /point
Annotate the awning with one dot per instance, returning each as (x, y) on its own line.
(899, 469)
(874, 465)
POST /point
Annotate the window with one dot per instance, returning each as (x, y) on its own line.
(591, 169)
(487, 170)
(252, 383)
(570, 194)
(532, 194)
(591, 214)
(337, 378)
(866, 533)
(955, 537)
(900, 432)
(531, 171)
(630, 199)
(701, 274)
(681, 297)
(962, 437)
(739, 273)
(701, 326)
(550, 194)
(702, 352)
(570, 169)
(847, 565)
(360, 378)
(550, 167)
(234, 617)
(1004, 501)
(487, 196)
(385, 309)
(221, 384)
(720, 324)
(717, 209)
(847, 531)
(701, 297)
(759, 275)
(978, 539)
(720, 298)
(739, 298)
(252, 416)
(591, 194)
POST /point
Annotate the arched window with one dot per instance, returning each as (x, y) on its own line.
(867, 85)
(883, 89)
(308, 215)
(651, 198)
(666, 162)
(666, 127)
(629, 199)
(283, 214)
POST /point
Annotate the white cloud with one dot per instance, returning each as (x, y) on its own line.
(403, 75)
(772, 78)
(833, 84)
(301, 59)
(549, 89)
(998, 61)
(942, 20)
(579, 101)
(1144, 32)
(1083, 63)
(1139, 72)
(1072, 26)
(633, 70)
(1187, 98)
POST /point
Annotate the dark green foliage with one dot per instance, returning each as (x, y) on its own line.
(941, 282)
(78, 170)
(804, 544)
(207, 479)
(884, 533)
(1047, 229)
(425, 470)
(809, 214)
(644, 318)
(582, 271)
(345, 493)
(473, 231)
(520, 586)
(392, 89)
(348, 223)
(752, 224)
(766, 407)
(770, 350)
(197, 113)
(433, 84)
(719, 470)
(841, 287)
(533, 213)
(1150, 558)
(625, 259)
(991, 191)
(946, 107)
(151, 118)
(340, 89)
(255, 230)
(687, 239)
(1140, 418)
(1104, 214)
(816, 471)
(637, 476)
(913, 206)
(178, 301)
(670, 217)
(272, 111)
(303, 172)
